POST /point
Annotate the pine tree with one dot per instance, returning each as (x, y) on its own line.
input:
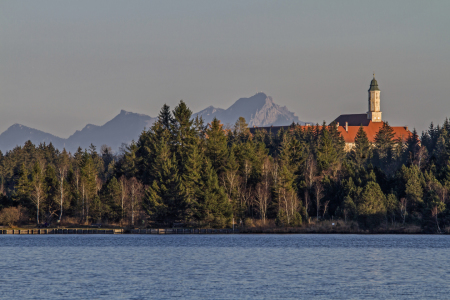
(413, 187)
(213, 206)
(183, 136)
(111, 195)
(384, 143)
(349, 208)
(412, 147)
(241, 131)
(338, 141)
(23, 187)
(165, 117)
(192, 180)
(370, 207)
(216, 145)
(165, 199)
(361, 153)
(327, 156)
(130, 160)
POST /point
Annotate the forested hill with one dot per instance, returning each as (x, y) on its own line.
(259, 110)
(181, 171)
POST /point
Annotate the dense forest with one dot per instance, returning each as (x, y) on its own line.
(182, 172)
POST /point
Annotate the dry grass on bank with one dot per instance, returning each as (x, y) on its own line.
(326, 226)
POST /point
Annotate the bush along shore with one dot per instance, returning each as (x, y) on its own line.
(183, 173)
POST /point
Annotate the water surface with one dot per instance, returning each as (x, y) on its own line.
(224, 266)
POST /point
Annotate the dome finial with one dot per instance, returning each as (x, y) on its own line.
(374, 84)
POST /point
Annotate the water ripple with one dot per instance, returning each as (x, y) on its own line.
(224, 266)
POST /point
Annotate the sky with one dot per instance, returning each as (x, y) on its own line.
(64, 64)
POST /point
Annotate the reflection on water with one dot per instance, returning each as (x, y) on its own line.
(224, 266)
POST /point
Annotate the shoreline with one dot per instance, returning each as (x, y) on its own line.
(159, 231)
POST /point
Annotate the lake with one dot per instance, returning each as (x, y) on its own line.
(224, 266)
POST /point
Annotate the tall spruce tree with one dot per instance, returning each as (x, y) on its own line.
(361, 153)
(192, 180)
(183, 136)
(216, 145)
(165, 199)
(370, 206)
(327, 156)
(384, 143)
(213, 206)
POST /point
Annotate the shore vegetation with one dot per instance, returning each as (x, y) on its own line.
(182, 172)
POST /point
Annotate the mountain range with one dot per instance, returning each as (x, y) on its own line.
(259, 110)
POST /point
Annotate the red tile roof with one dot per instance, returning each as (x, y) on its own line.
(349, 136)
(371, 130)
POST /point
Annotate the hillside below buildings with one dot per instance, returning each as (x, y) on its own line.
(349, 124)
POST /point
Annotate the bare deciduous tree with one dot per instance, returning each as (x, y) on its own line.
(403, 212)
(37, 193)
(230, 181)
(318, 191)
(62, 173)
(136, 190)
(310, 171)
(263, 190)
(325, 207)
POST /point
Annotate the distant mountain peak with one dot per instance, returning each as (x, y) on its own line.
(258, 110)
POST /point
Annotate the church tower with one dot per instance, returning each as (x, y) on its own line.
(374, 113)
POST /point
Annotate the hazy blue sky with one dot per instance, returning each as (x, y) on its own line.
(64, 64)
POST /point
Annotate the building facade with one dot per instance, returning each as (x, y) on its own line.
(348, 125)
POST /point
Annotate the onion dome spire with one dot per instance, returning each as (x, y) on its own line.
(374, 84)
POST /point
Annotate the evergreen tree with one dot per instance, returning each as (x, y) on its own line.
(183, 136)
(111, 195)
(392, 206)
(130, 160)
(412, 147)
(192, 180)
(361, 153)
(413, 187)
(370, 207)
(216, 145)
(165, 199)
(165, 118)
(23, 187)
(327, 157)
(384, 143)
(213, 206)
(241, 131)
(349, 209)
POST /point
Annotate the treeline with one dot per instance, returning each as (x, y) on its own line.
(184, 171)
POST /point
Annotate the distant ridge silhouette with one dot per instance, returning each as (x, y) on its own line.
(258, 110)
